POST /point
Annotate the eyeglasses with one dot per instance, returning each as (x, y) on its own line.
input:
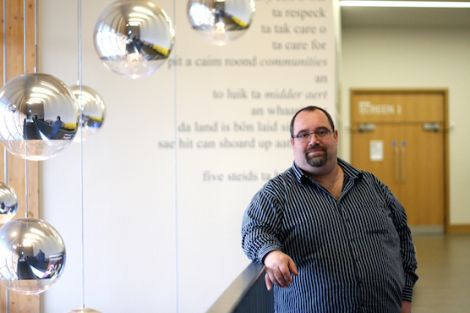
(321, 132)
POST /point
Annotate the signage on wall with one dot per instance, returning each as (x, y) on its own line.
(376, 150)
(369, 108)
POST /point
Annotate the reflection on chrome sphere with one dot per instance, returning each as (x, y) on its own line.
(133, 38)
(85, 310)
(220, 21)
(8, 203)
(32, 255)
(39, 116)
(93, 111)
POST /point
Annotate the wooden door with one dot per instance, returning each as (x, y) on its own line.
(399, 136)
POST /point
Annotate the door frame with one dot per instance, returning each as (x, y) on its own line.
(445, 93)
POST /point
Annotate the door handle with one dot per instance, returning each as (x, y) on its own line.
(396, 152)
(402, 160)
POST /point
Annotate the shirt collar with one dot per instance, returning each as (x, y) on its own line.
(349, 171)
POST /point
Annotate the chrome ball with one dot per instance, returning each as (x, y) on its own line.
(133, 38)
(221, 21)
(8, 203)
(39, 116)
(92, 108)
(32, 255)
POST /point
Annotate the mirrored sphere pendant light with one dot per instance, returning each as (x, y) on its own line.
(39, 116)
(32, 255)
(85, 310)
(220, 21)
(92, 111)
(8, 203)
(133, 38)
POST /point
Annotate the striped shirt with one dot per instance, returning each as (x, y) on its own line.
(353, 254)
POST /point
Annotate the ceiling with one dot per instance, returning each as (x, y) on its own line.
(409, 17)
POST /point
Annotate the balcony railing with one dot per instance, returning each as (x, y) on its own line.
(246, 294)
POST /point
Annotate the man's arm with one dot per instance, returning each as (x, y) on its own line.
(261, 229)
(407, 249)
(262, 238)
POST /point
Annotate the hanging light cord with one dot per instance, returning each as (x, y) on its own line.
(79, 44)
(175, 135)
(82, 215)
(25, 70)
(5, 152)
(79, 83)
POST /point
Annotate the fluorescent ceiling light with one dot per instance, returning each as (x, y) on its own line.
(404, 4)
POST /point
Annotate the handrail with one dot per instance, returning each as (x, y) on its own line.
(247, 294)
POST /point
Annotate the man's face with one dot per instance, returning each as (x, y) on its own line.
(315, 147)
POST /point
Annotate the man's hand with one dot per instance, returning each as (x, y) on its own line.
(405, 307)
(279, 269)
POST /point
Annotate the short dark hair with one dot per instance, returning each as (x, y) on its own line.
(310, 108)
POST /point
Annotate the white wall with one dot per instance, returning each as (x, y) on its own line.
(129, 233)
(132, 252)
(416, 58)
(157, 237)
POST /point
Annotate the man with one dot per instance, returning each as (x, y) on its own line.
(332, 238)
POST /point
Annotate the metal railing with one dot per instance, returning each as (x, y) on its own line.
(246, 294)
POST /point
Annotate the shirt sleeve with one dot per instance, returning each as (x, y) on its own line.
(261, 226)
(407, 248)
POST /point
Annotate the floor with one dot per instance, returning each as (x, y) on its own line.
(444, 271)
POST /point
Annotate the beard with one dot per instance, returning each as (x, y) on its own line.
(316, 160)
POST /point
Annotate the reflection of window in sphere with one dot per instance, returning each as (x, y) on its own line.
(220, 21)
(8, 203)
(39, 116)
(92, 108)
(32, 255)
(133, 38)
